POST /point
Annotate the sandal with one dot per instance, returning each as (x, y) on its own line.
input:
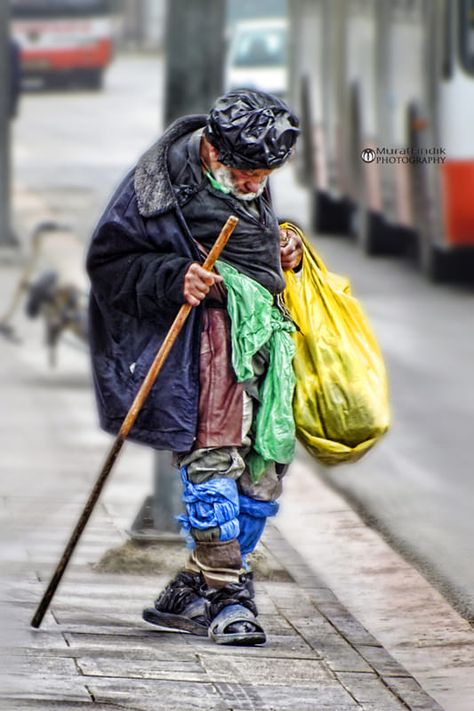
(181, 606)
(236, 624)
(234, 614)
(190, 620)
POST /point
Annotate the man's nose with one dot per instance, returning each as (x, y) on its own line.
(252, 185)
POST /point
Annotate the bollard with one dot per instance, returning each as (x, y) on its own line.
(156, 519)
(167, 502)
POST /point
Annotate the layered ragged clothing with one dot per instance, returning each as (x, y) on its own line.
(163, 217)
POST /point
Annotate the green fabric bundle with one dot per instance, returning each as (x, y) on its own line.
(256, 323)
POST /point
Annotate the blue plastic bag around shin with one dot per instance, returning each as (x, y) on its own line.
(214, 503)
(252, 518)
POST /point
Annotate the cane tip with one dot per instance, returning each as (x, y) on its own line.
(36, 622)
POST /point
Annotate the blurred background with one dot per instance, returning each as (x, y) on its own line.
(383, 181)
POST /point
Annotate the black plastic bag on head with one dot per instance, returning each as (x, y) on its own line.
(252, 130)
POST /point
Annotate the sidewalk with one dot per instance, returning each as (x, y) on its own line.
(93, 650)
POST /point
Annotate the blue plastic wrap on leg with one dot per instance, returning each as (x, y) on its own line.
(252, 518)
(210, 504)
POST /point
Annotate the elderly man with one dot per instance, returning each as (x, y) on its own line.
(144, 263)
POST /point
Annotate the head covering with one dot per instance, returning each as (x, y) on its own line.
(252, 129)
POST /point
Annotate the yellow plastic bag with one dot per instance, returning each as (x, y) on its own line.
(341, 397)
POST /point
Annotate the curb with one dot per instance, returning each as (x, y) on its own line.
(366, 654)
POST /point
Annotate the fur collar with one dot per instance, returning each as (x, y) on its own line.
(152, 183)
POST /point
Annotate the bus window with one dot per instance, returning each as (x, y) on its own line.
(62, 8)
(63, 42)
(466, 33)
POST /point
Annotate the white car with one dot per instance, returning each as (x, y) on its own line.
(257, 56)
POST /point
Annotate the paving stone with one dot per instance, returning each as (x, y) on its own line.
(246, 697)
(412, 694)
(276, 625)
(383, 663)
(315, 626)
(338, 654)
(286, 647)
(135, 588)
(114, 630)
(111, 604)
(93, 618)
(369, 689)
(49, 689)
(15, 620)
(144, 646)
(347, 625)
(34, 640)
(285, 672)
(320, 595)
(286, 597)
(27, 591)
(393, 706)
(184, 668)
(301, 574)
(156, 695)
(25, 666)
(43, 705)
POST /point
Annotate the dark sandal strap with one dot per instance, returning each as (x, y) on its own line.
(234, 614)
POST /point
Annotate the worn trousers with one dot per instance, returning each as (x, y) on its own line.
(225, 511)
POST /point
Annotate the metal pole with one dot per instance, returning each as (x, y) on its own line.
(6, 238)
(194, 56)
(167, 502)
(194, 45)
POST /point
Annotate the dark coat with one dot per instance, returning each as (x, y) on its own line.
(139, 254)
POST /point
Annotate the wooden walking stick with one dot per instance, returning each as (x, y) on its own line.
(127, 425)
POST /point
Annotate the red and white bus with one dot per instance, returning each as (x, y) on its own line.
(390, 82)
(63, 41)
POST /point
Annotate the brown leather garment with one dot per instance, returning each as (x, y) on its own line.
(221, 397)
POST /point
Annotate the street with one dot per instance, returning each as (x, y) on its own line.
(73, 147)
(416, 487)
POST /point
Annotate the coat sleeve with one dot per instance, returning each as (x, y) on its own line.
(135, 271)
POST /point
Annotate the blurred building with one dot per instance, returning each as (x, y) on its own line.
(238, 10)
(142, 25)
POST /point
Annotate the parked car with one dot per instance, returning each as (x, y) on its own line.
(257, 56)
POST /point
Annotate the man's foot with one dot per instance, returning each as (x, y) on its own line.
(233, 615)
(181, 606)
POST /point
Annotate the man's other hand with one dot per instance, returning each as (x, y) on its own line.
(197, 283)
(291, 249)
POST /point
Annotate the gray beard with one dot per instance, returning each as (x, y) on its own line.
(224, 176)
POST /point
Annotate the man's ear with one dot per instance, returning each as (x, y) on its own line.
(213, 152)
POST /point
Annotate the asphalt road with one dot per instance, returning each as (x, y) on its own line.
(417, 485)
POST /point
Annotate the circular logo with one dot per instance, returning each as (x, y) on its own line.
(368, 155)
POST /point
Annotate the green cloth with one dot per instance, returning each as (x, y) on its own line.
(256, 322)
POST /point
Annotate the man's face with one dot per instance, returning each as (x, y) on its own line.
(243, 184)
